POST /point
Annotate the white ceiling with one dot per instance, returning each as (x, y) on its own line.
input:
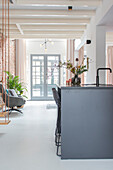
(108, 20)
(50, 18)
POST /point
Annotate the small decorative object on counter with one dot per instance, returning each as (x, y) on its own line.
(67, 82)
(76, 70)
(70, 82)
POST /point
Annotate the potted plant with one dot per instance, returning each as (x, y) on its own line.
(13, 82)
(76, 70)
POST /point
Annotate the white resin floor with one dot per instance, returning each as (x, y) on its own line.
(27, 143)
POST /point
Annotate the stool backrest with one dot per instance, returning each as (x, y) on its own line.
(56, 97)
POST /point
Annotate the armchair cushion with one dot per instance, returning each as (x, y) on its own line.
(16, 101)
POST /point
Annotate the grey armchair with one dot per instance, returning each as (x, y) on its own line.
(13, 101)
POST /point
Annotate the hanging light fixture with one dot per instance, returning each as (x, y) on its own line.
(45, 43)
(45, 46)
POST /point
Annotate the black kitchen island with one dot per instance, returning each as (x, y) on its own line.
(86, 122)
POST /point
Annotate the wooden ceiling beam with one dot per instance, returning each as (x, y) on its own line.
(55, 36)
(47, 21)
(35, 12)
(11, 31)
(12, 26)
(54, 32)
(81, 3)
(53, 27)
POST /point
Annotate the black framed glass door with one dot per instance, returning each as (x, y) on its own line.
(44, 76)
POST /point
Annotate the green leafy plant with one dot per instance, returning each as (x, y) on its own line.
(13, 82)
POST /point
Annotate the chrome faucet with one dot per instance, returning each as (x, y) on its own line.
(97, 77)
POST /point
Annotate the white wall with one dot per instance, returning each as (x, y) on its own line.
(33, 47)
(101, 51)
(91, 51)
(91, 33)
(102, 10)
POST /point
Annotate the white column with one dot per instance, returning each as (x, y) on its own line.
(101, 51)
(70, 56)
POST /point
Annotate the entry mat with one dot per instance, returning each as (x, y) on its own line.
(51, 106)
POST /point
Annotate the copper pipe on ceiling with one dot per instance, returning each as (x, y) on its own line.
(5, 45)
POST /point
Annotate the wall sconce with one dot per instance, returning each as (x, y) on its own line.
(88, 41)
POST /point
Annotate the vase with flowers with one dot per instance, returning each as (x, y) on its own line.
(76, 70)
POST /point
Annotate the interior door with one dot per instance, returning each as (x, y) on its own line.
(44, 76)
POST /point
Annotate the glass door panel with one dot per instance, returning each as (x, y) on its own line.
(44, 76)
(37, 75)
(53, 76)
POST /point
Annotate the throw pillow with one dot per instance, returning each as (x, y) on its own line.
(13, 93)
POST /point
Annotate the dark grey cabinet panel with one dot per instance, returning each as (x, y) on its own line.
(87, 123)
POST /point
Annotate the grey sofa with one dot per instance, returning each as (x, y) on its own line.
(13, 101)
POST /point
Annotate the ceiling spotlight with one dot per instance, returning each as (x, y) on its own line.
(70, 8)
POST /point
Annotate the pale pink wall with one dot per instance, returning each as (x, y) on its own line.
(81, 58)
(110, 64)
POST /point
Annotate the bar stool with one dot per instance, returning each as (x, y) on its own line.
(58, 124)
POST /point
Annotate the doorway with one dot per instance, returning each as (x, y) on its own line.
(44, 76)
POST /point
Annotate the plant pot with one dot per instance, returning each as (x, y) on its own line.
(76, 81)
